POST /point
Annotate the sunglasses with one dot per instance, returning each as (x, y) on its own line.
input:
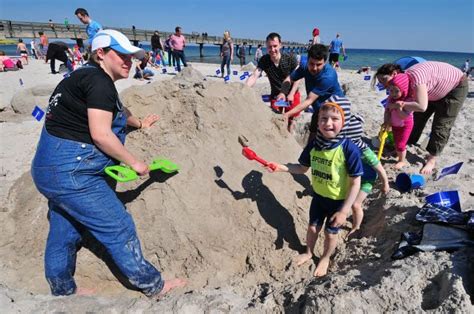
(124, 57)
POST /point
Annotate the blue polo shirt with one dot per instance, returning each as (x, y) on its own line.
(336, 45)
(324, 84)
(92, 28)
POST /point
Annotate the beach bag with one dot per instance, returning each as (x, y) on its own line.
(19, 64)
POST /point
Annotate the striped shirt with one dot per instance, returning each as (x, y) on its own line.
(352, 127)
(440, 78)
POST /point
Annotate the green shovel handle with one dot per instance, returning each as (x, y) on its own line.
(121, 173)
(125, 174)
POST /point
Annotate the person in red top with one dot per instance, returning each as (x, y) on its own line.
(178, 42)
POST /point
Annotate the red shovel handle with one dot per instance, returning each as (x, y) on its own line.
(251, 155)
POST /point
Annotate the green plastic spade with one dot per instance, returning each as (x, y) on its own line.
(125, 174)
(121, 173)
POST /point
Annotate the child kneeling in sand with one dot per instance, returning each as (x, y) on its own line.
(336, 179)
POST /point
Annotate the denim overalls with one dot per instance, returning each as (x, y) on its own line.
(70, 175)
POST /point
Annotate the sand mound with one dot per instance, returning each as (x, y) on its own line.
(222, 221)
(229, 226)
(24, 101)
(249, 67)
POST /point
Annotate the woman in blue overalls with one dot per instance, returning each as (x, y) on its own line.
(84, 132)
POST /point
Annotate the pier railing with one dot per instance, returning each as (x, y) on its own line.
(18, 29)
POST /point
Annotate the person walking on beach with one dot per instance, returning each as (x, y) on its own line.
(436, 88)
(242, 53)
(21, 48)
(84, 132)
(321, 83)
(335, 173)
(92, 26)
(258, 53)
(33, 48)
(227, 53)
(157, 47)
(278, 66)
(335, 48)
(51, 24)
(178, 43)
(316, 37)
(167, 46)
(43, 45)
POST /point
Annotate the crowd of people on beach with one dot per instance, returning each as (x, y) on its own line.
(85, 120)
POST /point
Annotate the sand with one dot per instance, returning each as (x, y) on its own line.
(223, 222)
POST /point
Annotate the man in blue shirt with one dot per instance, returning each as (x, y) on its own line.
(92, 26)
(320, 80)
(335, 49)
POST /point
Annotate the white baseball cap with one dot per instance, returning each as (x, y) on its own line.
(117, 41)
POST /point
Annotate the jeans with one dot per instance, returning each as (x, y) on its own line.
(171, 59)
(70, 175)
(179, 56)
(225, 61)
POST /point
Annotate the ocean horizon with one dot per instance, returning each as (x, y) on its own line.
(357, 58)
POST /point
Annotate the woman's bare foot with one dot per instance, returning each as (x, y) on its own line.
(302, 258)
(322, 268)
(171, 284)
(429, 165)
(399, 165)
(86, 291)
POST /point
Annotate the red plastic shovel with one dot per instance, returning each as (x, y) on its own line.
(251, 155)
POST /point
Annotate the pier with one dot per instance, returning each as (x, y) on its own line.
(18, 29)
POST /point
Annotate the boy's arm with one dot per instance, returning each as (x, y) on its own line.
(291, 168)
(312, 97)
(383, 178)
(339, 218)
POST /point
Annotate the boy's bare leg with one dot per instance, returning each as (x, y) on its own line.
(330, 243)
(357, 212)
(311, 238)
(171, 284)
(401, 160)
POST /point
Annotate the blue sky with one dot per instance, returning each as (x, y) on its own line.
(439, 25)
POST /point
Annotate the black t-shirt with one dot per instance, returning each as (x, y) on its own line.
(87, 87)
(276, 75)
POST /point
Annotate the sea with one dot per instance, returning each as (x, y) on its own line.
(356, 58)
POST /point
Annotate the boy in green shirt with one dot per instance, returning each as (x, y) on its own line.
(336, 172)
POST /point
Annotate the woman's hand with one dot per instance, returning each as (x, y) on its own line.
(140, 168)
(149, 120)
(396, 105)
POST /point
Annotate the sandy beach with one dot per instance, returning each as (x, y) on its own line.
(223, 222)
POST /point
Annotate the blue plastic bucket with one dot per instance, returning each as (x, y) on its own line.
(407, 182)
